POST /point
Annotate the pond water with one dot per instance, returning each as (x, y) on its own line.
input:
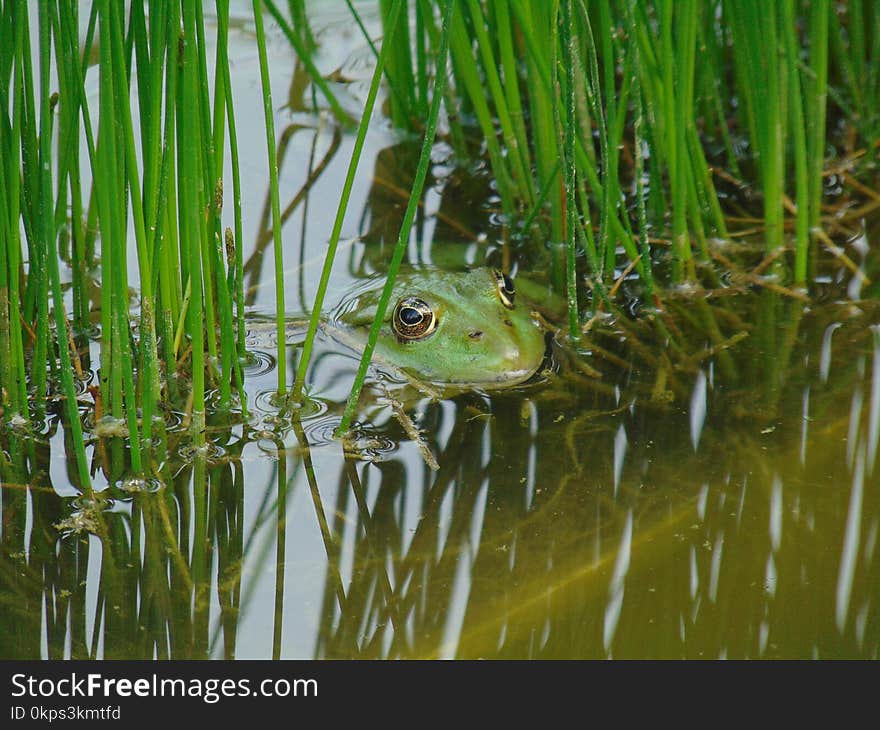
(698, 482)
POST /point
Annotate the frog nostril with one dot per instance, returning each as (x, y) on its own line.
(475, 335)
(508, 323)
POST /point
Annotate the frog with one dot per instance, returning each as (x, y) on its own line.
(459, 330)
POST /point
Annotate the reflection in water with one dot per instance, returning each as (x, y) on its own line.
(850, 544)
(564, 521)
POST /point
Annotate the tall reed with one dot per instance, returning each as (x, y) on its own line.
(645, 89)
(609, 123)
(354, 160)
(408, 216)
(152, 170)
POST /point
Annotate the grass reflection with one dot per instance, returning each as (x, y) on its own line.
(537, 537)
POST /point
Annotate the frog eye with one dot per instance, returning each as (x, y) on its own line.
(505, 288)
(413, 319)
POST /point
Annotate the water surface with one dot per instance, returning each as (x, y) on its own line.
(632, 501)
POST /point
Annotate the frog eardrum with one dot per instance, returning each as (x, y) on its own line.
(505, 288)
(413, 319)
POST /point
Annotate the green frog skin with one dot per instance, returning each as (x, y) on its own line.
(462, 329)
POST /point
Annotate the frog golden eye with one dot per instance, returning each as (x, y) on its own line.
(413, 319)
(505, 288)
